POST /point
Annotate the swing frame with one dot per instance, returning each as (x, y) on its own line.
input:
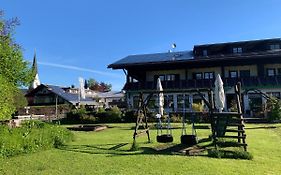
(142, 111)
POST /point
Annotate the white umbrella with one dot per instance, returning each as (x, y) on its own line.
(219, 93)
(160, 97)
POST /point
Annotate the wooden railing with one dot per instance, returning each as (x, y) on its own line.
(187, 84)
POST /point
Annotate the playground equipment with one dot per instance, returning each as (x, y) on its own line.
(190, 139)
(164, 138)
(222, 123)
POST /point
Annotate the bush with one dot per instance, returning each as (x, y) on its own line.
(176, 118)
(237, 154)
(129, 116)
(32, 136)
(79, 116)
(113, 115)
(197, 107)
(274, 106)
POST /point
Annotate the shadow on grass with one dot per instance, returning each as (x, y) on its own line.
(114, 149)
(263, 127)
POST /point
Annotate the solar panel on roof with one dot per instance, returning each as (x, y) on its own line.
(157, 57)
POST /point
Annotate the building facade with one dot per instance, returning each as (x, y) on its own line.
(256, 64)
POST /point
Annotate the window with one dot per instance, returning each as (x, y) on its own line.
(183, 102)
(208, 75)
(274, 46)
(244, 73)
(168, 77)
(233, 74)
(135, 102)
(270, 72)
(169, 102)
(237, 50)
(198, 76)
(274, 94)
(197, 100)
(162, 77)
(205, 53)
(279, 71)
(171, 77)
(152, 102)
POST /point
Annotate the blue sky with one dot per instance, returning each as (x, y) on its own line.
(80, 38)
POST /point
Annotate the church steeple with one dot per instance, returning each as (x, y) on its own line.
(36, 81)
(34, 64)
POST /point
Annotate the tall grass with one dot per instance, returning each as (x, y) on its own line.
(32, 136)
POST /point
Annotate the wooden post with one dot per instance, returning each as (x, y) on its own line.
(239, 110)
(237, 93)
(211, 113)
(142, 115)
(139, 117)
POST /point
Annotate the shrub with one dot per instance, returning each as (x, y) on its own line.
(236, 154)
(32, 136)
(176, 118)
(233, 106)
(274, 106)
(79, 116)
(113, 115)
(129, 116)
(197, 107)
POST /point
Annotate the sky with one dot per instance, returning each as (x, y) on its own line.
(81, 38)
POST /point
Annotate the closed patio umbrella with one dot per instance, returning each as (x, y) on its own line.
(162, 138)
(160, 100)
(219, 93)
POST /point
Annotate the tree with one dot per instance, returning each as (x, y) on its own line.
(96, 86)
(14, 70)
(105, 87)
(6, 96)
(19, 99)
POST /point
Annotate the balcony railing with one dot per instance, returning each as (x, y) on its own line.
(188, 84)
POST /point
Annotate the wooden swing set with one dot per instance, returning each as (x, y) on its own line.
(221, 122)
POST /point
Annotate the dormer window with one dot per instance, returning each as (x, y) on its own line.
(237, 50)
(205, 53)
(274, 46)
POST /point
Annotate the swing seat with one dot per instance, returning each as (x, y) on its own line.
(189, 140)
(165, 138)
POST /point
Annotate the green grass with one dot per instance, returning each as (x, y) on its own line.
(107, 152)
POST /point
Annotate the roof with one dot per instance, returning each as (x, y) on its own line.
(240, 42)
(152, 58)
(111, 94)
(70, 97)
(34, 65)
(191, 59)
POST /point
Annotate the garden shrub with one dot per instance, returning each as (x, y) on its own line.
(129, 116)
(235, 154)
(274, 106)
(32, 136)
(79, 116)
(112, 115)
(197, 107)
(176, 118)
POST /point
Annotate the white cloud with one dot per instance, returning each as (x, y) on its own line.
(78, 69)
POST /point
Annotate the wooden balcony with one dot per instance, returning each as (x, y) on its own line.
(189, 84)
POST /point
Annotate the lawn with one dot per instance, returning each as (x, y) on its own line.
(107, 152)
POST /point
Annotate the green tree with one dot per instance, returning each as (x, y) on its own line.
(19, 99)
(6, 98)
(96, 86)
(14, 70)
